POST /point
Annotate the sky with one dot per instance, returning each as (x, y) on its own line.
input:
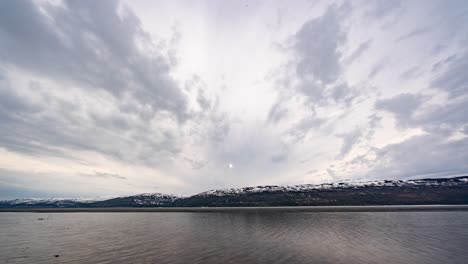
(105, 97)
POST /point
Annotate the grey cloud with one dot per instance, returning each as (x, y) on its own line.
(318, 68)
(277, 112)
(454, 80)
(358, 52)
(374, 121)
(361, 160)
(387, 13)
(378, 67)
(213, 125)
(105, 175)
(451, 71)
(88, 43)
(381, 9)
(29, 184)
(440, 119)
(319, 60)
(414, 33)
(438, 48)
(450, 15)
(402, 106)
(197, 85)
(317, 44)
(431, 154)
(411, 73)
(342, 93)
(443, 119)
(13, 186)
(278, 158)
(300, 130)
(202, 101)
(10, 99)
(90, 47)
(195, 164)
(221, 128)
(281, 155)
(47, 126)
(465, 129)
(436, 66)
(349, 140)
(426, 155)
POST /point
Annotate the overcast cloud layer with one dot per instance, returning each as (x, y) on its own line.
(113, 98)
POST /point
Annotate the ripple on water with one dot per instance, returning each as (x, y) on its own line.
(235, 237)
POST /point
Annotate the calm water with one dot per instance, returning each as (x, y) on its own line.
(235, 237)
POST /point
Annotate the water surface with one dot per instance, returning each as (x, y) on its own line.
(235, 237)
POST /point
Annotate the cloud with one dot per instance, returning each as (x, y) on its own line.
(39, 121)
(402, 106)
(349, 140)
(363, 47)
(445, 118)
(421, 156)
(300, 130)
(414, 33)
(277, 112)
(86, 76)
(277, 158)
(12, 186)
(374, 122)
(436, 66)
(95, 45)
(136, 94)
(381, 9)
(195, 164)
(317, 63)
(453, 80)
(105, 175)
(280, 155)
(317, 47)
(411, 73)
(435, 152)
(378, 67)
(465, 129)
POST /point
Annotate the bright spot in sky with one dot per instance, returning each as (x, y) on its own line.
(231, 166)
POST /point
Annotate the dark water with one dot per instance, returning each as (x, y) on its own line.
(235, 237)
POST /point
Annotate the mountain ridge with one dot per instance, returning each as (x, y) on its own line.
(453, 190)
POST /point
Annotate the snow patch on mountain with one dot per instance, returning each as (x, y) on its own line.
(33, 201)
(337, 185)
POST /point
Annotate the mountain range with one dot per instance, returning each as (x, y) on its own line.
(385, 192)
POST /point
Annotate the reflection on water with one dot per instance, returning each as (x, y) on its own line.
(236, 237)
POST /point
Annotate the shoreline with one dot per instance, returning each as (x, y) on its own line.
(353, 208)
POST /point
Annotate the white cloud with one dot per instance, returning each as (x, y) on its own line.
(138, 96)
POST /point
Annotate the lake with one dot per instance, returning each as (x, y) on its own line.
(235, 237)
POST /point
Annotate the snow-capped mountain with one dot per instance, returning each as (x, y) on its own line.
(385, 192)
(337, 185)
(54, 202)
(145, 199)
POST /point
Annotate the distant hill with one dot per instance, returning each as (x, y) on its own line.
(387, 192)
